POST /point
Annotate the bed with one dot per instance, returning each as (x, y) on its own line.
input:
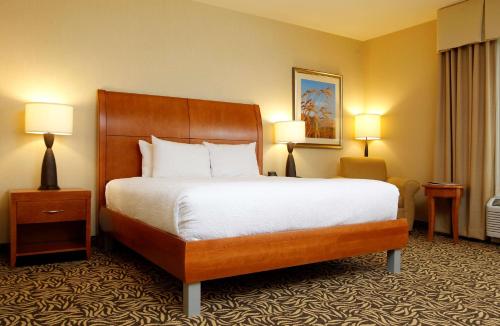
(125, 118)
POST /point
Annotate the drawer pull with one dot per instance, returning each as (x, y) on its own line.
(55, 211)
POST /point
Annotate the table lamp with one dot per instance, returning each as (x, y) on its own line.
(48, 119)
(367, 127)
(290, 132)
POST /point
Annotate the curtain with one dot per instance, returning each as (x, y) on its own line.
(466, 130)
(497, 151)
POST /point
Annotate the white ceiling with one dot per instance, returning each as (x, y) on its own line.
(358, 19)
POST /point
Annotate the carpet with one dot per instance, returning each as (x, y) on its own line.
(440, 284)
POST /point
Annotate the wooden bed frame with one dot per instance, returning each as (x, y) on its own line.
(124, 118)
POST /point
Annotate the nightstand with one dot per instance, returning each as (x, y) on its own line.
(49, 221)
(439, 190)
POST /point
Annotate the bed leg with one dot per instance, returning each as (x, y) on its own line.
(191, 298)
(394, 261)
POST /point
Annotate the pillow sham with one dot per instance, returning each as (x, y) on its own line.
(171, 159)
(147, 158)
(233, 160)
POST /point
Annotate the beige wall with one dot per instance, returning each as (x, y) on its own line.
(401, 82)
(63, 51)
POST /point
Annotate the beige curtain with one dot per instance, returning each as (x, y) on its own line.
(465, 136)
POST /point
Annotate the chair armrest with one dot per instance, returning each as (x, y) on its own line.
(407, 187)
(407, 190)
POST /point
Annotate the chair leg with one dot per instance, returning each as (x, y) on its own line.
(191, 299)
(394, 261)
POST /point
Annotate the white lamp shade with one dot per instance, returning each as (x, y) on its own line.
(42, 118)
(290, 131)
(367, 126)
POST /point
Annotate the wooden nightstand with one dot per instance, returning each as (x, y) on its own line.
(49, 221)
(437, 190)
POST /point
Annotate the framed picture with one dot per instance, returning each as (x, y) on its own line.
(317, 100)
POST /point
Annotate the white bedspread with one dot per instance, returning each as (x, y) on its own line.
(213, 208)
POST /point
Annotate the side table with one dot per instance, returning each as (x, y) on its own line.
(440, 190)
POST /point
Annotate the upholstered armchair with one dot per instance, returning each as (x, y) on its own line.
(375, 168)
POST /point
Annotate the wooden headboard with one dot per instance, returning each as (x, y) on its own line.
(124, 118)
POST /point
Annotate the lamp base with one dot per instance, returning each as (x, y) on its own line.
(290, 162)
(49, 188)
(49, 170)
(366, 147)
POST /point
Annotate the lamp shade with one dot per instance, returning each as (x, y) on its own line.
(367, 126)
(42, 118)
(290, 131)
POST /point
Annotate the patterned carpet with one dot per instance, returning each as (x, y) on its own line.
(441, 284)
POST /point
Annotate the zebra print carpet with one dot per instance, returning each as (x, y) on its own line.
(441, 284)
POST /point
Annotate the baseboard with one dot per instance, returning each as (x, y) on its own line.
(420, 224)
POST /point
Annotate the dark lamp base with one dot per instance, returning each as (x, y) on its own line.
(290, 162)
(56, 187)
(49, 171)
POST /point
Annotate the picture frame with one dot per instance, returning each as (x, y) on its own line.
(318, 100)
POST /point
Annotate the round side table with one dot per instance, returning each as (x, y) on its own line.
(439, 190)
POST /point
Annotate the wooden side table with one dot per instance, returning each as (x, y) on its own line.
(49, 221)
(437, 190)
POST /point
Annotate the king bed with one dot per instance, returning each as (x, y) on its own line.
(203, 229)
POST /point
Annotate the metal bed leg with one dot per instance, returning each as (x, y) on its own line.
(394, 261)
(191, 298)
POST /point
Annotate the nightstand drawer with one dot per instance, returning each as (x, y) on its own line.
(51, 211)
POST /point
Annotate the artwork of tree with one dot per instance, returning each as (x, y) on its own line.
(318, 109)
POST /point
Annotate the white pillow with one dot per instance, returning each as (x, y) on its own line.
(147, 158)
(171, 159)
(233, 160)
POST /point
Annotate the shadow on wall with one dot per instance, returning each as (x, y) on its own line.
(4, 202)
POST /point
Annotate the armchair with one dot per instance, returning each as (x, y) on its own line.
(375, 168)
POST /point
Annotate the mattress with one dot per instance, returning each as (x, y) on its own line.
(212, 208)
